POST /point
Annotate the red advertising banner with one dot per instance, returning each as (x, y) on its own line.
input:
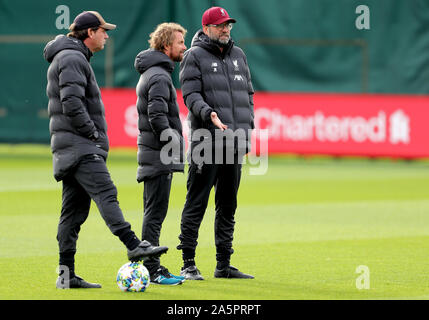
(332, 124)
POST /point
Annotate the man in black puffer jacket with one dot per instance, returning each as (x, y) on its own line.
(80, 145)
(218, 92)
(160, 142)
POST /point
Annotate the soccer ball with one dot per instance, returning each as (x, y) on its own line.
(133, 276)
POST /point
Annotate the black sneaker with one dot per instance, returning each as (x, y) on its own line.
(191, 273)
(162, 276)
(145, 250)
(75, 283)
(231, 272)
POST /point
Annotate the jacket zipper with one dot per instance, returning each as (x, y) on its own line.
(225, 72)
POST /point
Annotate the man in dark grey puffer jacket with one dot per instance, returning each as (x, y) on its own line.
(218, 92)
(160, 142)
(80, 145)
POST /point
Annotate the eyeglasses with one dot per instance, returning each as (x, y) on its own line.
(221, 26)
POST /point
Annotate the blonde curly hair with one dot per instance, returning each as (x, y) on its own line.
(163, 35)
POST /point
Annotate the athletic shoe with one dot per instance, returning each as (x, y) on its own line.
(191, 273)
(162, 276)
(174, 276)
(178, 277)
(145, 250)
(231, 272)
(74, 283)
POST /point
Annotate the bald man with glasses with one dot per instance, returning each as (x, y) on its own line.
(218, 92)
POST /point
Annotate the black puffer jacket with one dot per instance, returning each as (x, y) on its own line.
(75, 108)
(158, 114)
(216, 81)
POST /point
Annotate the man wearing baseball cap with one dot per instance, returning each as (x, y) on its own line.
(90, 19)
(217, 90)
(80, 145)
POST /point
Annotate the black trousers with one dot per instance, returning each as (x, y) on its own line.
(156, 196)
(90, 179)
(226, 180)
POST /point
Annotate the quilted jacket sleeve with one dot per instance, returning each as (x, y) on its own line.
(191, 83)
(158, 97)
(72, 82)
(251, 93)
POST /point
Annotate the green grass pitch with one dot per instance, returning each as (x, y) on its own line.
(302, 229)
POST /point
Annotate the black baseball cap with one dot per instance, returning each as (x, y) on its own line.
(90, 19)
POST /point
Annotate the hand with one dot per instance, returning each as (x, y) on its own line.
(94, 136)
(216, 121)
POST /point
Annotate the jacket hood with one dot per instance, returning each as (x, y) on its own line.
(150, 58)
(61, 42)
(202, 40)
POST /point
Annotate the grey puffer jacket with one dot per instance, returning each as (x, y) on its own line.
(220, 81)
(158, 113)
(75, 108)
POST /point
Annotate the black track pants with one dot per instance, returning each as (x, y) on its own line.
(226, 180)
(90, 179)
(156, 195)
